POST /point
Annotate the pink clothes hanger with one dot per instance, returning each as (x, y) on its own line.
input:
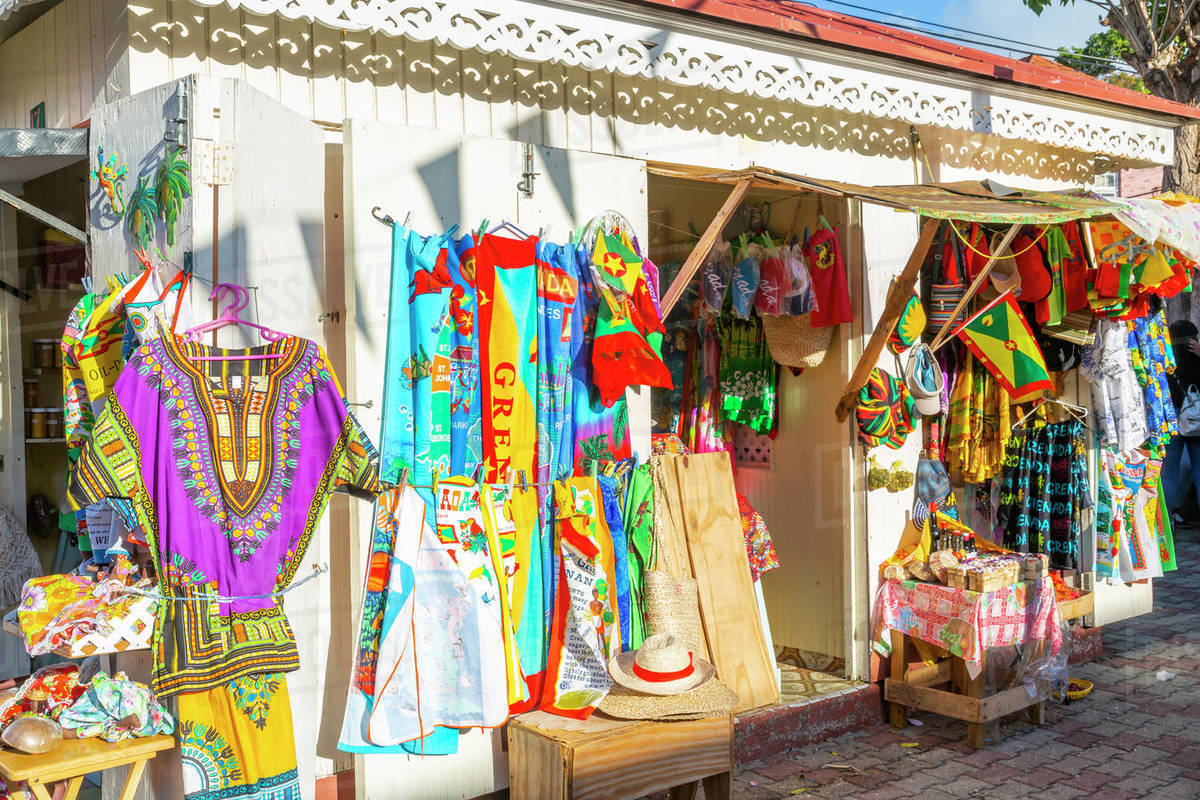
(232, 317)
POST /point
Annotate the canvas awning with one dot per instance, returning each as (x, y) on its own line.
(973, 201)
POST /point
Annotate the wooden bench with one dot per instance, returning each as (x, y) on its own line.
(558, 758)
(75, 758)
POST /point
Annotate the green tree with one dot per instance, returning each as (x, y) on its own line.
(1097, 55)
(1160, 39)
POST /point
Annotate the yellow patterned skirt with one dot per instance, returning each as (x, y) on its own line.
(237, 741)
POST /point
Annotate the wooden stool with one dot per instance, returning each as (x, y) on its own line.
(75, 758)
(558, 758)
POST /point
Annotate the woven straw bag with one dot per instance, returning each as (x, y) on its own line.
(794, 342)
(672, 605)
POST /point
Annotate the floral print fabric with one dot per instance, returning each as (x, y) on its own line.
(59, 610)
(102, 710)
(760, 550)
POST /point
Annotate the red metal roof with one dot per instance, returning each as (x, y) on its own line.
(831, 27)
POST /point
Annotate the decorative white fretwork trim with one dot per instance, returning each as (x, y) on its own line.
(635, 40)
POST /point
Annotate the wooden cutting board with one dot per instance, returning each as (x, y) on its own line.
(707, 501)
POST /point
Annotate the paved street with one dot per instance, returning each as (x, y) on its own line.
(1134, 736)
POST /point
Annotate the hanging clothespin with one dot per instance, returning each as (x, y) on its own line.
(482, 228)
(437, 474)
(403, 476)
(408, 218)
(87, 283)
(476, 474)
(524, 484)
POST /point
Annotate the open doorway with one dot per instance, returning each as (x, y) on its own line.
(793, 463)
(46, 269)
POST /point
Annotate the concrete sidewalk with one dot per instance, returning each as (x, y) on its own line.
(1134, 736)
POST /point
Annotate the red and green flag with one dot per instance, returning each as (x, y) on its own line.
(1000, 337)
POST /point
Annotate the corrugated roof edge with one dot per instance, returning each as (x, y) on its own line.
(831, 27)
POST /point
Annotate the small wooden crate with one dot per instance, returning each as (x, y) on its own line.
(556, 758)
(1079, 607)
(956, 577)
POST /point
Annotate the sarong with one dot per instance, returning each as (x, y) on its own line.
(507, 290)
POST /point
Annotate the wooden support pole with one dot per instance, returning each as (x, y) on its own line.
(700, 251)
(997, 254)
(896, 300)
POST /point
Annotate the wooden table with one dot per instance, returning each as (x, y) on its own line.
(558, 758)
(916, 688)
(75, 758)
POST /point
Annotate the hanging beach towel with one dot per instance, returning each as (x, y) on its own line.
(586, 630)
(438, 638)
(506, 281)
(520, 532)
(466, 422)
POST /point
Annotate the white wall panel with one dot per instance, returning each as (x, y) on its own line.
(66, 58)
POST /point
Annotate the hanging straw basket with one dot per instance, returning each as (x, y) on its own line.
(794, 342)
(672, 605)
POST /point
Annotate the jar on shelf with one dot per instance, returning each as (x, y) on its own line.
(43, 353)
(31, 392)
(54, 423)
(28, 422)
(37, 425)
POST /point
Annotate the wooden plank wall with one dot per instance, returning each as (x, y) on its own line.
(71, 58)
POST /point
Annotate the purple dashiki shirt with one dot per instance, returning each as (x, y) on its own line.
(228, 466)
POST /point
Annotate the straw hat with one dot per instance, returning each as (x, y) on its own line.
(663, 665)
(794, 342)
(709, 699)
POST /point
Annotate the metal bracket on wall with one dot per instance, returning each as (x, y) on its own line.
(526, 183)
(177, 125)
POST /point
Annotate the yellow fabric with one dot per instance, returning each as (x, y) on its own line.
(238, 735)
(495, 524)
(914, 541)
(1155, 270)
(979, 425)
(99, 355)
(523, 511)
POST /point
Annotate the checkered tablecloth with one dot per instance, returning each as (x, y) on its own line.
(966, 623)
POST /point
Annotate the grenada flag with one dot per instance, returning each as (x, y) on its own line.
(1000, 337)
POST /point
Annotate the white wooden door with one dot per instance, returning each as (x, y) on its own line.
(256, 217)
(444, 180)
(12, 406)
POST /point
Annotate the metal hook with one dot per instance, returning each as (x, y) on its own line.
(386, 219)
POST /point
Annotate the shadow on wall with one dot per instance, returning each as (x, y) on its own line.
(409, 74)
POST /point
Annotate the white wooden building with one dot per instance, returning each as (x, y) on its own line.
(303, 115)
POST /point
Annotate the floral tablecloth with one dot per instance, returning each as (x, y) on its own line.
(966, 623)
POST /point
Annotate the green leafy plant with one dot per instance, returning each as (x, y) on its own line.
(172, 185)
(140, 211)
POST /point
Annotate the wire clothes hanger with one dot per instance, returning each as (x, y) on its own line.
(231, 317)
(1078, 412)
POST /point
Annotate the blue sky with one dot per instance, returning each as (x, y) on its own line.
(1056, 26)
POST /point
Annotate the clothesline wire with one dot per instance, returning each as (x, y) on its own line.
(318, 570)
